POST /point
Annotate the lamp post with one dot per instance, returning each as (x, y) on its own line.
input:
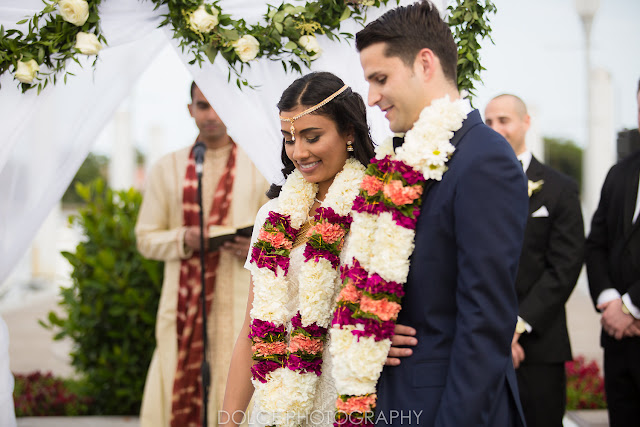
(586, 10)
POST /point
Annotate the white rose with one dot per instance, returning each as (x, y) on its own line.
(202, 21)
(247, 47)
(26, 71)
(74, 11)
(87, 43)
(311, 45)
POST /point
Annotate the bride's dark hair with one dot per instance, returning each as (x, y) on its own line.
(346, 110)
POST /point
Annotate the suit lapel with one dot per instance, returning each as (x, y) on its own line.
(630, 193)
(535, 172)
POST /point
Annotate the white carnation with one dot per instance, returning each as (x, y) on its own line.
(385, 149)
(270, 295)
(318, 282)
(357, 362)
(362, 235)
(296, 198)
(392, 248)
(345, 187)
(287, 395)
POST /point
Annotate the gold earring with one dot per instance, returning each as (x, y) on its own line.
(349, 146)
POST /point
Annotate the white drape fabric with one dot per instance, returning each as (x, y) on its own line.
(7, 415)
(45, 138)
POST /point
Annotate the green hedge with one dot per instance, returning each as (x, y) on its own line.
(112, 303)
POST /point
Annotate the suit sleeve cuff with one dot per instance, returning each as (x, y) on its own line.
(527, 326)
(608, 295)
(633, 309)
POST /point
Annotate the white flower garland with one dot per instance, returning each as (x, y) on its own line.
(287, 396)
(382, 245)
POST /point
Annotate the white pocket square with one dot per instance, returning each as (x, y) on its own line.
(541, 212)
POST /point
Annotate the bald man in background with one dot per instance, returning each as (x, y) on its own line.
(551, 259)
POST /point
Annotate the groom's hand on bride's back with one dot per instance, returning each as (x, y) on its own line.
(403, 336)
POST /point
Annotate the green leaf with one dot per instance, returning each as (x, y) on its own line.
(211, 53)
(22, 21)
(346, 13)
(291, 45)
(279, 17)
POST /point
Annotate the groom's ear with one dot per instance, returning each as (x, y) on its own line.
(425, 63)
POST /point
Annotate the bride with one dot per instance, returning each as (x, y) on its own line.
(297, 243)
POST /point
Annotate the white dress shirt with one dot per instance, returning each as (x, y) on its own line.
(611, 294)
(525, 159)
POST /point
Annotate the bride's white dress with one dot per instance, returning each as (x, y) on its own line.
(326, 394)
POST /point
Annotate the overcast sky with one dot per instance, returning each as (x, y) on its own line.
(538, 55)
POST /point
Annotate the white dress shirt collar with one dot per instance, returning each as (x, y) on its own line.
(525, 159)
(637, 211)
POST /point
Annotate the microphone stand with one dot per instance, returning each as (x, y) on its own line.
(205, 372)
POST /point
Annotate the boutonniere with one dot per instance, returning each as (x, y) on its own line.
(534, 186)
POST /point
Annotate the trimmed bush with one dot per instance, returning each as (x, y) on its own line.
(112, 303)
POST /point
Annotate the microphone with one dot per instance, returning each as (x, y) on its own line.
(198, 154)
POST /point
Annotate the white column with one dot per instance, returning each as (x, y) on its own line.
(156, 145)
(533, 138)
(44, 249)
(123, 159)
(600, 154)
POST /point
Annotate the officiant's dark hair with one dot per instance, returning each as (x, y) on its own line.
(406, 30)
(347, 111)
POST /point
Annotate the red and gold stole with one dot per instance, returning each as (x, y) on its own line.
(186, 407)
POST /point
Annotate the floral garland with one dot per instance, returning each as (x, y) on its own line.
(285, 375)
(68, 29)
(382, 240)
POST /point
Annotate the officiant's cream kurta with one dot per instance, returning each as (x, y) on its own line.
(160, 235)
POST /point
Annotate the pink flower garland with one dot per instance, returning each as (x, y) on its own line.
(367, 299)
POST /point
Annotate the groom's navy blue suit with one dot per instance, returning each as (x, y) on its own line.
(460, 294)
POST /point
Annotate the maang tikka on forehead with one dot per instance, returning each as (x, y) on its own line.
(311, 110)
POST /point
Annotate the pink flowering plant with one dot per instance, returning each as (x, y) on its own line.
(585, 385)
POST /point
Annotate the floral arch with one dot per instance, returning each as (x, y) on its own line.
(51, 129)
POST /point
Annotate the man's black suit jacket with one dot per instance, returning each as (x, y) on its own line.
(613, 245)
(552, 256)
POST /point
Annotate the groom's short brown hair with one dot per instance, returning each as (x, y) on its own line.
(406, 30)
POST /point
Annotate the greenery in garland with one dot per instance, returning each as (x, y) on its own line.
(469, 23)
(67, 29)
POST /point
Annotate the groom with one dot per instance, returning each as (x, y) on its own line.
(460, 295)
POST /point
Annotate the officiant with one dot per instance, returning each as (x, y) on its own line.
(168, 230)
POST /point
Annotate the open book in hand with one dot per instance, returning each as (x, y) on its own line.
(219, 234)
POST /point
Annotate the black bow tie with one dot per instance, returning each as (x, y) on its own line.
(397, 141)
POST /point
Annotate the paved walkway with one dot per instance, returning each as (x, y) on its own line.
(78, 422)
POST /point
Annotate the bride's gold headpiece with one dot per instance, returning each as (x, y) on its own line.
(311, 110)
